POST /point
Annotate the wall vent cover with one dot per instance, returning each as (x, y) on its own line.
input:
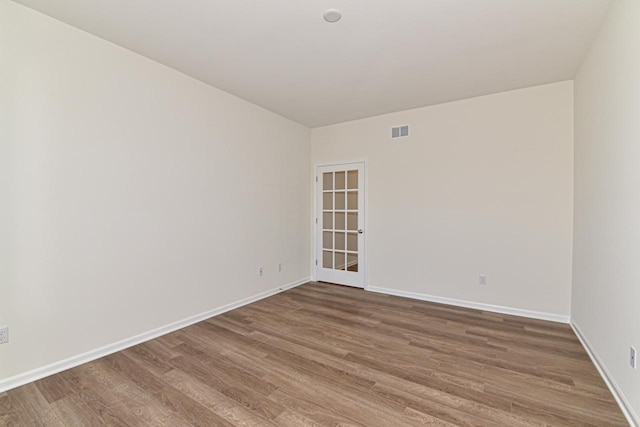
(400, 131)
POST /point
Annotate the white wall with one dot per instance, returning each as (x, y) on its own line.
(131, 196)
(482, 186)
(606, 281)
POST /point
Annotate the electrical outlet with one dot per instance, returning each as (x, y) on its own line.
(260, 271)
(483, 279)
(4, 334)
(279, 267)
(632, 357)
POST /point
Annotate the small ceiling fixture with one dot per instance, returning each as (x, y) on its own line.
(332, 15)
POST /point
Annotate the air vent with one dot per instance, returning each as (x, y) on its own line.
(400, 131)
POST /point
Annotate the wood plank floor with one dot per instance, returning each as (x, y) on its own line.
(323, 354)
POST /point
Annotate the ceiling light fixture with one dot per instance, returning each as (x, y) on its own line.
(332, 15)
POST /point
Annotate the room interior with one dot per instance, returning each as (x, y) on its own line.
(162, 164)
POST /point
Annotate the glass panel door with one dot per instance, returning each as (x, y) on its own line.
(340, 233)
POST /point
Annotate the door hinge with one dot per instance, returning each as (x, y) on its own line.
(316, 220)
(316, 179)
(316, 262)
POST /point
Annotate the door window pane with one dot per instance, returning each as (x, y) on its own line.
(340, 261)
(340, 241)
(340, 221)
(327, 201)
(340, 200)
(327, 181)
(352, 220)
(327, 259)
(352, 179)
(327, 220)
(340, 180)
(352, 242)
(352, 262)
(352, 200)
(327, 240)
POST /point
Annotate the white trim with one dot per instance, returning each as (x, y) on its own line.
(340, 163)
(365, 262)
(73, 361)
(477, 305)
(631, 416)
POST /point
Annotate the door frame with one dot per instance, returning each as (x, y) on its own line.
(314, 241)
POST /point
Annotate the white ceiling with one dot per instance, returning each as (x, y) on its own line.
(383, 56)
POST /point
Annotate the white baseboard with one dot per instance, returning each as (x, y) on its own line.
(477, 305)
(73, 361)
(629, 413)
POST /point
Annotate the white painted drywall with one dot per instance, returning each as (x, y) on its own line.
(606, 281)
(482, 186)
(132, 195)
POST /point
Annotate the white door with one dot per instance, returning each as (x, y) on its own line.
(340, 224)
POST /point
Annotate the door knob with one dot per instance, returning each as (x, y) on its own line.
(360, 231)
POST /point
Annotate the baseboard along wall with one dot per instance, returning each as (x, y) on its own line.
(44, 371)
(71, 362)
(632, 417)
(470, 304)
(627, 410)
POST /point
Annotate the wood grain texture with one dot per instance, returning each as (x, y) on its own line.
(327, 355)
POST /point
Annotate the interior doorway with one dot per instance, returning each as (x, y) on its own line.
(340, 219)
